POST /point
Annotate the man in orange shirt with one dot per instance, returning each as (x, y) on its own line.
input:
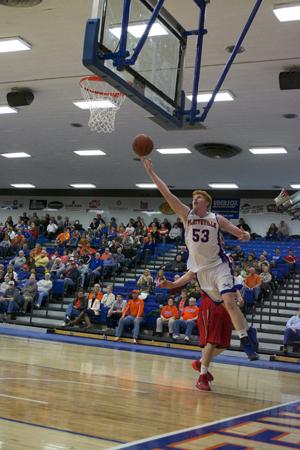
(168, 315)
(132, 314)
(187, 320)
(252, 282)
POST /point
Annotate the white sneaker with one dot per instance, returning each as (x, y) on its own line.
(187, 339)
(176, 336)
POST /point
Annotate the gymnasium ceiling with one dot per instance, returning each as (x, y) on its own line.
(53, 68)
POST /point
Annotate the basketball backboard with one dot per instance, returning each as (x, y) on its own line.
(156, 77)
(139, 48)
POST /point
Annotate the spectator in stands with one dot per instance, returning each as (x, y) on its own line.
(267, 285)
(115, 312)
(74, 309)
(253, 283)
(57, 268)
(237, 253)
(243, 225)
(63, 238)
(95, 267)
(272, 232)
(283, 231)
(44, 287)
(163, 233)
(2, 273)
(12, 302)
(19, 260)
(292, 331)
(108, 266)
(29, 291)
(175, 234)
(187, 321)
(132, 314)
(263, 261)
(5, 246)
(168, 315)
(177, 265)
(37, 249)
(12, 273)
(42, 259)
(159, 278)
(92, 310)
(277, 258)
(182, 301)
(291, 259)
(51, 230)
(108, 298)
(71, 277)
(145, 282)
(119, 259)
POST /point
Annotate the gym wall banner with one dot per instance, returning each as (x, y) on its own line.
(227, 207)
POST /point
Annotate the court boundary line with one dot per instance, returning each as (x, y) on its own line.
(61, 430)
(25, 399)
(199, 427)
(139, 348)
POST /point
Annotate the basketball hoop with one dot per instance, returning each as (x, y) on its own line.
(104, 102)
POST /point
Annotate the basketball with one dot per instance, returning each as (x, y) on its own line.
(142, 145)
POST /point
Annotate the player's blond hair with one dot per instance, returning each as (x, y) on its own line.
(205, 195)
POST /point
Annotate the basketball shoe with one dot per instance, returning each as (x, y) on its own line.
(202, 383)
(196, 365)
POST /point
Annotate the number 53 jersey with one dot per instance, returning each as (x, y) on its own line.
(203, 240)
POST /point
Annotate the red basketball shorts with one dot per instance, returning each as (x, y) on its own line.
(214, 324)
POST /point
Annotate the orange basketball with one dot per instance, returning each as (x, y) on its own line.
(142, 145)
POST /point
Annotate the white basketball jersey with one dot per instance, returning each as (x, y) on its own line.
(202, 238)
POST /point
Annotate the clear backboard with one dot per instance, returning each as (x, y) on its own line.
(156, 76)
(139, 48)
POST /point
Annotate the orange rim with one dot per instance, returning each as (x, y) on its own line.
(94, 91)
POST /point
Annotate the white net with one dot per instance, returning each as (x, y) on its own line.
(104, 101)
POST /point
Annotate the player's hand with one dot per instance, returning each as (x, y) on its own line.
(147, 164)
(244, 236)
(166, 284)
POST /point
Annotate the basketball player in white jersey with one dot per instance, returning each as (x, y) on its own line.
(206, 255)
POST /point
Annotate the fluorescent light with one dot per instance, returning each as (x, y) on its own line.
(151, 213)
(287, 13)
(268, 150)
(204, 97)
(83, 185)
(223, 185)
(93, 104)
(137, 30)
(295, 186)
(173, 151)
(14, 44)
(146, 185)
(7, 110)
(16, 155)
(23, 185)
(89, 152)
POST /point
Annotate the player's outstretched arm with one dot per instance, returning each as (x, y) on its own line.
(178, 207)
(182, 281)
(227, 226)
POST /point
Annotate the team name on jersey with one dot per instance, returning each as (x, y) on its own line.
(206, 223)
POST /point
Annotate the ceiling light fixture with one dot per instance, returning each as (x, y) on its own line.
(287, 12)
(16, 155)
(204, 97)
(4, 109)
(223, 186)
(173, 151)
(92, 104)
(137, 30)
(267, 150)
(23, 185)
(13, 44)
(146, 186)
(295, 186)
(89, 152)
(83, 185)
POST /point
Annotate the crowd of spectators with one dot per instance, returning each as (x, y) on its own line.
(37, 251)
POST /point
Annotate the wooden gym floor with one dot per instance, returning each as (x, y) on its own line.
(56, 396)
